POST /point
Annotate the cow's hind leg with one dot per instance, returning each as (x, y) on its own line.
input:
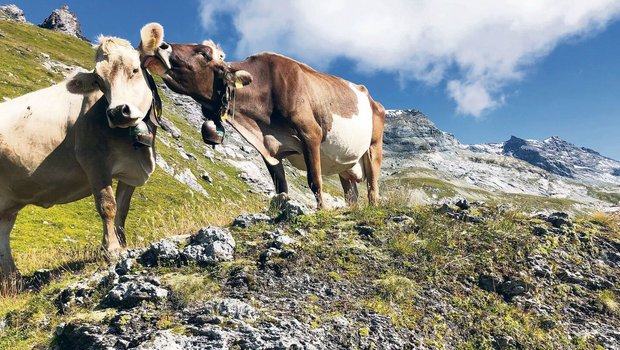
(350, 189)
(278, 177)
(124, 192)
(374, 156)
(9, 271)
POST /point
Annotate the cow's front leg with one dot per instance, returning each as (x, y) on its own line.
(9, 271)
(106, 206)
(278, 176)
(124, 192)
(311, 144)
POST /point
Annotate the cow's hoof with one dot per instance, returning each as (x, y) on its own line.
(113, 252)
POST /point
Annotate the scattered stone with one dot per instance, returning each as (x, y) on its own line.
(163, 252)
(540, 266)
(132, 290)
(12, 13)
(559, 219)
(513, 287)
(231, 308)
(365, 231)
(490, 283)
(539, 231)
(187, 177)
(82, 336)
(281, 241)
(569, 277)
(124, 266)
(504, 342)
(205, 176)
(292, 209)
(463, 204)
(247, 220)
(210, 246)
(78, 294)
(401, 219)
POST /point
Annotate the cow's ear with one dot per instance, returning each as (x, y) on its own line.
(242, 78)
(83, 83)
(152, 36)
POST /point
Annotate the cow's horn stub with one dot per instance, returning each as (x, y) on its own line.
(152, 36)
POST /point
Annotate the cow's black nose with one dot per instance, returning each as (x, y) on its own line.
(125, 111)
(119, 114)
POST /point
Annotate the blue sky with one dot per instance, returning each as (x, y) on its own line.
(482, 72)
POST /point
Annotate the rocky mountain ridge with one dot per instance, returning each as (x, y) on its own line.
(558, 157)
(61, 20)
(415, 148)
(12, 13)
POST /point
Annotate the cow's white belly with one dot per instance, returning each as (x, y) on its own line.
(346, 142)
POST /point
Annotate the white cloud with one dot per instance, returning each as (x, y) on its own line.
(475, 47)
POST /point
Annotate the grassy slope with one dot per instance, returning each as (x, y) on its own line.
(50, 238)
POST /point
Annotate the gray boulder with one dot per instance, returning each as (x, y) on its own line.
(247, 220)
(210, 246)
(163, 252)
(131, 291)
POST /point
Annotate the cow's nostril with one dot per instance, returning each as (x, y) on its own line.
(125, 111)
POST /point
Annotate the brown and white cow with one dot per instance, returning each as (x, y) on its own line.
(320, 123)
(68, 141)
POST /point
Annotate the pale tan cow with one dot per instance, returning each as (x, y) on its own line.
(68, 141)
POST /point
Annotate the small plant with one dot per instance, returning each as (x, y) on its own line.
(604, 219)
(608, 302)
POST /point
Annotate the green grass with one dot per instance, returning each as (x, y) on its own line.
(611, 197)
(55, 237)
(20, 53)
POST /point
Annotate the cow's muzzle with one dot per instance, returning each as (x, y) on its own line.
(120, 116)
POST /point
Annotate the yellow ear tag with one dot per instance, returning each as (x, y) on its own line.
(224, 117)
(238, 84)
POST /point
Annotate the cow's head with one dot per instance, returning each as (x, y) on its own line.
(119, 76)
(195, 70)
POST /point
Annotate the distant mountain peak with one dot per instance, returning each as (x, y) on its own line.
(64, 21)
(12, 13)
(409, 130)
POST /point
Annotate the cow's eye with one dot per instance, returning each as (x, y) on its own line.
(205, 55)
(135, 71)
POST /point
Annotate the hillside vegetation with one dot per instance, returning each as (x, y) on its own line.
(51, 238)
(396, 276)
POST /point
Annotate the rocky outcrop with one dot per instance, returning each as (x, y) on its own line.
(337, 285)
(12, 13)
(64, 21)
(410, 131)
